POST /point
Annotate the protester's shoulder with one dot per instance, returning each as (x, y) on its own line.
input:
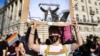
(43, 48)
(4, 43)
(43, 45)
(67, 45)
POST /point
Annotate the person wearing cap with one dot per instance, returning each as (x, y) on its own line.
(55, 47)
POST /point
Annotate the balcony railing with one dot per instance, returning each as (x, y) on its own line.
(92, 12)
(88, 22)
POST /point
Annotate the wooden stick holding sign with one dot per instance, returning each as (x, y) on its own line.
(46, 4)
(50, 23)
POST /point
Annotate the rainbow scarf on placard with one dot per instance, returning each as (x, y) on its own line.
(12, 39)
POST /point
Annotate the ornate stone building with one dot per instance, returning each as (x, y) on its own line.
(87, 14)
(15, 16)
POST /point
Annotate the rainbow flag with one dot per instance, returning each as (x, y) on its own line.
(12, 39)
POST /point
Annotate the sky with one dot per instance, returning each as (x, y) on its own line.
(35, 11)
(1, 3)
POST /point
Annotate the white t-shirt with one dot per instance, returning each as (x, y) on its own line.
(49, 17)
(54, 49)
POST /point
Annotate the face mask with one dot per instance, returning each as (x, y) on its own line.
(53, 39)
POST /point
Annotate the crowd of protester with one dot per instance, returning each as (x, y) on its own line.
(29, 45)
(90, 48)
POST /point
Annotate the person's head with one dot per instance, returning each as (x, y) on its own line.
(49, 8)
(54, 34)
(98, 41)
(0, 35)
(91, 37)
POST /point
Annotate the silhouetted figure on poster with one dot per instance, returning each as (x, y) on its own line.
(64, 17)
(50, 15)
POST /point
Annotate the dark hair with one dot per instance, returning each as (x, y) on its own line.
(54, 29)
(8, 36)
(91, 36)
(1, 33)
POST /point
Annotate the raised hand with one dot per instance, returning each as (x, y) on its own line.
(74, 22)
(33, 25)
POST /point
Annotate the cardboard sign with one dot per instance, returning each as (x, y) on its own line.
(51, 11)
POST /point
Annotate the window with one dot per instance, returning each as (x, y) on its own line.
(91, 11)
(80, 28)
(95, 3)
(90, 8)
(20, 0)
(16, 3)
(89, 1)
(10, 18)
(82, 0)
(92, 19)
(19, 13)
(98, 19)
(77, 17)
(84, 18)
(12, 9)
(83, 8)
(99, 29)
(97, 11)
(86, 28)
(76, 7)
(93, 28)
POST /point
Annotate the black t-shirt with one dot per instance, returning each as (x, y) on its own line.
(3, 45)
(11, 49)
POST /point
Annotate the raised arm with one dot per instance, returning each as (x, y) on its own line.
(42, 8)
(22, 50)
(57, 8)
(31, 44)
(79, 40)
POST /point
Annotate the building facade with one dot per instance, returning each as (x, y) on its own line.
(87, 14)
(15, 16)
(1, 16)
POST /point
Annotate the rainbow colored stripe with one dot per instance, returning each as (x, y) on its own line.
(12, 39)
